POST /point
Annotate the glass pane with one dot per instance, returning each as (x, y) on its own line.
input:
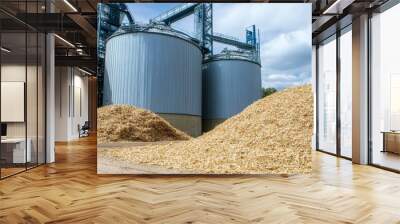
(31, 98)
(327, 96)
(22, 87)
(386, 89)
(13, 88)
(346, 94)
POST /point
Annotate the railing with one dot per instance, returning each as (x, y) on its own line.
(236, 54)
(231, 41)
(173, 12)
(226, 37)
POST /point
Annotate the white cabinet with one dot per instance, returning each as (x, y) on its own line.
(17, 145)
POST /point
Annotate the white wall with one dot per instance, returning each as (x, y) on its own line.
(62, 82)
(10, 73)
(16, 72)
(71, 102)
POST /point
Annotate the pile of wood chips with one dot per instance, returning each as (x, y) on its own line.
(271, 136)
(119, 123)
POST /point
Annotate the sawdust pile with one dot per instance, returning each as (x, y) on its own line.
(118, 123)
(271, 136)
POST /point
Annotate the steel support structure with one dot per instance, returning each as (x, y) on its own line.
(109, 19)
(204, 27)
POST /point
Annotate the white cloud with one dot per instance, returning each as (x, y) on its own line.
(271, 19)
(285, 35)
(285, 38)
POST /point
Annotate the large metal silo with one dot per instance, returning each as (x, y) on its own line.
(231, 82)
(156, 68)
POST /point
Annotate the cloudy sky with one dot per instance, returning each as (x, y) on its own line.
(285, 35)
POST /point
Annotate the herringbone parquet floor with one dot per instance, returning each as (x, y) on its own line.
(70, 191)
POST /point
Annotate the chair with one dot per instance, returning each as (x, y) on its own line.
(84, 130)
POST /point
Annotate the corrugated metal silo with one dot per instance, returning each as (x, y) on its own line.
(157, 68)
(230, 83)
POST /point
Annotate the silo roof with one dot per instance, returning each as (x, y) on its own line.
(154, 28)
(234, 55)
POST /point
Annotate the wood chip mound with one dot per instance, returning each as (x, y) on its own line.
(271, 136)
(119, 123)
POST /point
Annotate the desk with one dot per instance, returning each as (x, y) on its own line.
(391, 141)
(16, 148)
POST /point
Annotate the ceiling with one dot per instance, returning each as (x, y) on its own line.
(74, 22)
(332, 15)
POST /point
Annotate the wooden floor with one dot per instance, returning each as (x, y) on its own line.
(387, 159)
(70, 191)
(5, 172)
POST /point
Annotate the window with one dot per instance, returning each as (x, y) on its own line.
(346, 92)
(385, 89)
(327, 96)
(22, 101)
